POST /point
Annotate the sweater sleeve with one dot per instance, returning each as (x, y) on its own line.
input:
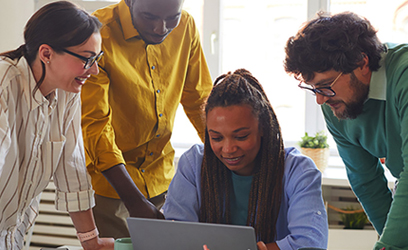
(365, 174)
(393, 236)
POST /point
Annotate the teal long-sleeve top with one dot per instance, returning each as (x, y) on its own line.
(380, 131)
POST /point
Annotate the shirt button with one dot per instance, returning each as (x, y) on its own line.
(151, 153)
(157, 135)
(153, 67)
(160, 115)
(142, 170)
(319, 213)
(158, 91)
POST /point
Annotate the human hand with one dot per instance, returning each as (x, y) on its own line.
(146, 211)
(98, 244)
(205, 247)
(261, 245)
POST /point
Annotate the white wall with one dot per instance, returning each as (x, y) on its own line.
(13, 16)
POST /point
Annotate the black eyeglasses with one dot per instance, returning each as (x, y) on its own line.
(325, 91)
(88, 61)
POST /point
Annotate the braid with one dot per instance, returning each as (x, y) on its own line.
(241, 88)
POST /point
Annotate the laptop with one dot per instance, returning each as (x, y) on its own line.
(159, 234)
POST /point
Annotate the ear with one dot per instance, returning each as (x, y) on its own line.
(45, 53)
(363, 71)
(364, 65)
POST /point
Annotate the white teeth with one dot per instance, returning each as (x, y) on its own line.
(233, 159)
(81, 79)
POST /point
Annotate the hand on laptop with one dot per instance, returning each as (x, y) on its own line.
(261, 245)
(271, 246)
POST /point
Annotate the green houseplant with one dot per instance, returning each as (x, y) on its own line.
(355, 220)
(317, 148)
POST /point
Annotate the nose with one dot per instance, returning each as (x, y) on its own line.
(160, 28)
(229, 146)
(94, 69)
(321, 99)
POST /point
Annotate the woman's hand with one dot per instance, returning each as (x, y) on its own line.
(270, 246)
(98, 244)
(261, 245)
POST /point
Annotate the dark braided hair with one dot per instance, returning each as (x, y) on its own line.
(241, 88)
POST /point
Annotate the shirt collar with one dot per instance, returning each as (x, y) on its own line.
(125, 17)
(378, 82)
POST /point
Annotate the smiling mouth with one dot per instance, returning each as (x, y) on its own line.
(81, 79)
(233, 160)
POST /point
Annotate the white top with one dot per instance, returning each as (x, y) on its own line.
(40, 139)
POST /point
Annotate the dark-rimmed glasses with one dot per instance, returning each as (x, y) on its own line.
(88, 61)
(324, 91)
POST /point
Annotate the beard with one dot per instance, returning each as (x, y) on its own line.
(354, 107)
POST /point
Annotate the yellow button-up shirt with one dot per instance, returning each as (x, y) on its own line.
(128, 109)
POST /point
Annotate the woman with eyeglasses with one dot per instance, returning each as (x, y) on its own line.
(40, 122)
(243, 175)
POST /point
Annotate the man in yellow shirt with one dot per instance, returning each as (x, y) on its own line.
(153, 60)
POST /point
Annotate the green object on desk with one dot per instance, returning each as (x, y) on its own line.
(123, 244)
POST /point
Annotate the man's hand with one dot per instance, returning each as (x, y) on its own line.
(135, 202)
(146, 211)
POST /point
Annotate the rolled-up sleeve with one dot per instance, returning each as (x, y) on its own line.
(74, 189)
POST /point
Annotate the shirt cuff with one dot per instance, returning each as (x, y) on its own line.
(75, 202)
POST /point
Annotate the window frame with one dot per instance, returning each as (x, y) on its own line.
(212, 43)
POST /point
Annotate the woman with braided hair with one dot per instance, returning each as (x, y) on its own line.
(243, 175)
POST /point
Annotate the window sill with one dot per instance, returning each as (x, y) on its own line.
(335, 174)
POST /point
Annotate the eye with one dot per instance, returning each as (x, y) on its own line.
(216, 138)
(241, 138)
(173, 18)
(149, 17)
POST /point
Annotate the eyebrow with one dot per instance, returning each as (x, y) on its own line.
(323, 82)
(151, 15)
(91, 52)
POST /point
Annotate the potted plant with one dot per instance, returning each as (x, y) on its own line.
(316, 148)
(354, 219)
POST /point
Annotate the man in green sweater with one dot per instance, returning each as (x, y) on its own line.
(362, 86)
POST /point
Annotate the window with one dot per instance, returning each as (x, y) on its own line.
(254, 34)
(253, 37)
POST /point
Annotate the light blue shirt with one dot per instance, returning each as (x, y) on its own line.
(302, 220)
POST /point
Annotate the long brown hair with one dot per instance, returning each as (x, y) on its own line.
(241, 88)
(59, 24)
